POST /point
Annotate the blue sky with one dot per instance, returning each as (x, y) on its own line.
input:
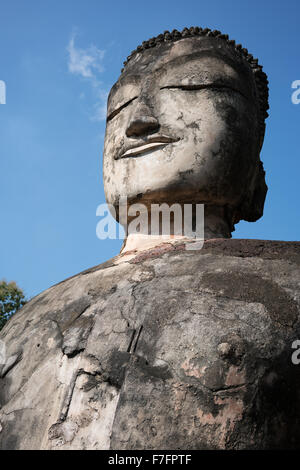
(59, 60)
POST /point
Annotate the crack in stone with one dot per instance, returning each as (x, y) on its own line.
(137, 338)
(131, 341)
(17, 410)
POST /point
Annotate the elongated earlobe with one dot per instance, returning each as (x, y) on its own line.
(253, 206)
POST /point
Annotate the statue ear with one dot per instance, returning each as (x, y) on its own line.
(262, 136)
(253, 206)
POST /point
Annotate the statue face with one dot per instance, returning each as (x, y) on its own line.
(182, 126)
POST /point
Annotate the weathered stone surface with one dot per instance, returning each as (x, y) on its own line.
(173, 349)
(185, 124)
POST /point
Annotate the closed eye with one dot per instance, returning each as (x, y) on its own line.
(116, 111)
(212, 86)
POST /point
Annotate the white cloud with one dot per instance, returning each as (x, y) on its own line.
(85, 62)
(88, 64)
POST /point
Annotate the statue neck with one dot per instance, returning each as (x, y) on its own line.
(216, 225)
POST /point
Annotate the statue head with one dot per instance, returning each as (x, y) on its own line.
(186, 123)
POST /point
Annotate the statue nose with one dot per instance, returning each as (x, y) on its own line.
(142, 122)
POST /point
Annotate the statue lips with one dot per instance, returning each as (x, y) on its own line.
(146, 145)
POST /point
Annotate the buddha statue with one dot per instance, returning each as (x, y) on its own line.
(163, 347)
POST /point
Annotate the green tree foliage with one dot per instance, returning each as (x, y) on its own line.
(11, 300)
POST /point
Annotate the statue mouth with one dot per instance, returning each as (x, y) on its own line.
(152, 143)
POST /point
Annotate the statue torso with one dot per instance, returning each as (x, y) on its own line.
(169, 349)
